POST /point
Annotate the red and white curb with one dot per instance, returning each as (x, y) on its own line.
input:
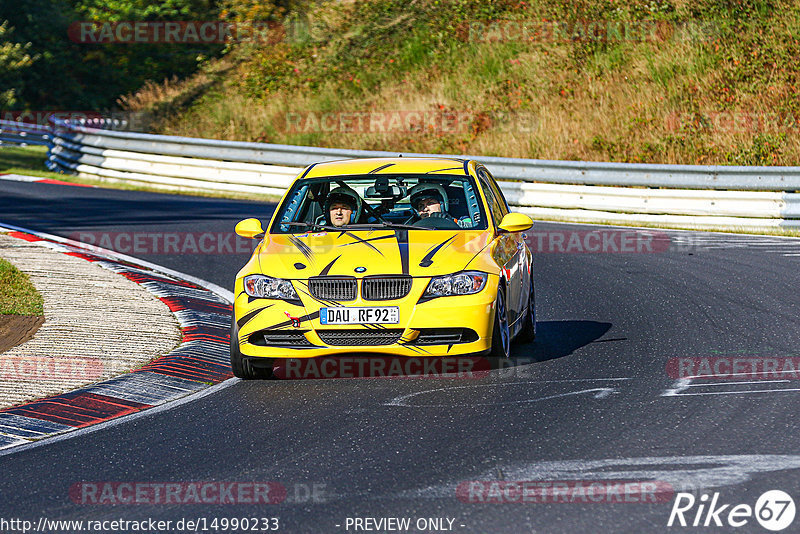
(38, 179)
(197, 366)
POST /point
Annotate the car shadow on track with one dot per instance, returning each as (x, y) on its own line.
(556, 339)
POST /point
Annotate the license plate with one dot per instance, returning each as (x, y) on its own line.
(367, 315)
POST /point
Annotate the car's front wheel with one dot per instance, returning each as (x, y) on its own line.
(501, 337)
(243, 367)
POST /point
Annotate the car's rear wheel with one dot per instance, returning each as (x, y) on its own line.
(501, 337)
(528, 332)
(243, 367)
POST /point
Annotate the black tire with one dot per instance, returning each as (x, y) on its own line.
(528, 332)
(243, 367)
(501, 336)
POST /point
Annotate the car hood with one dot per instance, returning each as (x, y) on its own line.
(363, 253)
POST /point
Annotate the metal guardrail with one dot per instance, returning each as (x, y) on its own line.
(21, 133)
(621, 192)
(530, 170)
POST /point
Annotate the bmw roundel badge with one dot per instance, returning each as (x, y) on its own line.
(361, 269)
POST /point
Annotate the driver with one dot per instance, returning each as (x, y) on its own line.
(342, 207)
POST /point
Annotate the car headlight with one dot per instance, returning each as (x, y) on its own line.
(258, 285)
(464, 283)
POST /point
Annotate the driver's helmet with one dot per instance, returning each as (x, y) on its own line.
(347, 196)
(428, 190)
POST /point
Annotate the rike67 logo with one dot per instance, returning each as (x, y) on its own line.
(774, 510)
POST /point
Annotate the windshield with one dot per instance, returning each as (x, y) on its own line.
(385, 201)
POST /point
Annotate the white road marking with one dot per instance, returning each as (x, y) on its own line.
(748, 382)
(600, 393)
(784, 245)
(744, 392)
(681, 385)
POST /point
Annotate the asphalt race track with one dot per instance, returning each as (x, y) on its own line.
(591, 400)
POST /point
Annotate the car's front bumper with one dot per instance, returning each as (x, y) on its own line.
(284, 330)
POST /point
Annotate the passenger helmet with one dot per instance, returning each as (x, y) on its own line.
(428, 190)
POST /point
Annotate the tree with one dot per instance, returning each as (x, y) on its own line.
(13, 58)
(79, 76)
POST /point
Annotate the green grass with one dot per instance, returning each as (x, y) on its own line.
(22, 157)
(26, 160)
(17, 294)
(639, 97)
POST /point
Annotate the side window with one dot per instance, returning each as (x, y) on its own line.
(497, 193)
(497, 214)
(291, 206)
(496, 205)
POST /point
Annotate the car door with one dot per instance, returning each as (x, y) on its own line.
(523, 260)
(508, 253)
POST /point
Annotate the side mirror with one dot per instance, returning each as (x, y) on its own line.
(515, 222)
(250, 228)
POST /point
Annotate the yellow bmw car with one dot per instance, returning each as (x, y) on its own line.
(415, 257)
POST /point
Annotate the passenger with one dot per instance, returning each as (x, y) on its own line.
(430, 200)
(427, 199)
